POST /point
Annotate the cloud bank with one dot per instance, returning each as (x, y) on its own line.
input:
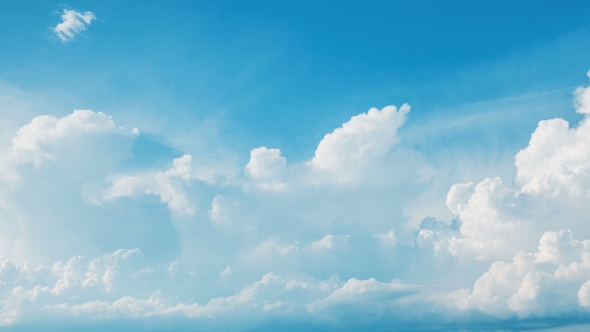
(322, 244)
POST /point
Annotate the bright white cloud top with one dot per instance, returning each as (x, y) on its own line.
(73, 23)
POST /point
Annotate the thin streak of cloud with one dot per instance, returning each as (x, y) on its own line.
(73, 23)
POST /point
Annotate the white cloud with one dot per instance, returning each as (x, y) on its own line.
(357, 292)
(489, 217)
(266, 163)
(71, 139)
(168, 185)
(329, 242)
(358, 142)
(548, 283)
(233, 231)
(56, 168)
(222, 211)
(492, 221)
(387, 239)
(268, 169)
(557, 159)
(73, 23)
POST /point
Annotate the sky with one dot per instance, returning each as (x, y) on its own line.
(296, 166)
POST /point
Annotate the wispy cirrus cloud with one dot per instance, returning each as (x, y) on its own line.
(73, 23)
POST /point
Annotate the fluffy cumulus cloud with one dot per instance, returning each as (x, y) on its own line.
(267, 167)
(74, 140)
(322, 244)
(551, 282)
(364, 138)
(53, 181)
(363, 151)
(73, 23)
(166, 185)
(551, 191)
(556, 162)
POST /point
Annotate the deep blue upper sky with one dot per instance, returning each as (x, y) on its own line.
(283, 74)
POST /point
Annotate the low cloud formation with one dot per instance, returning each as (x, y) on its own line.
(358, 142)
(323, 242)
(73, 23)
(552, 282)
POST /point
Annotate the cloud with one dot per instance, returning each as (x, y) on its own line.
(360, 152)
(548, 283)
(167, 185)
(489, 217)
(73, 23)
(387, 239)
(266, 163)
(123, 284)
(552, 174)
(71, 139)
(268, 168)
(322, 241)
(492, 221)
(359, 141)
(355, 293)
(556, 161)
(329, 242)
(51, 198)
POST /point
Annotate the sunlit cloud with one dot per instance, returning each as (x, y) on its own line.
(73, 23)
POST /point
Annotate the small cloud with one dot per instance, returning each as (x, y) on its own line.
(328, 243)
(226, 272)
(388, 239)
(73, 23)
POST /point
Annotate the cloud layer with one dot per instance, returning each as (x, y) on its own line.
(323, 242)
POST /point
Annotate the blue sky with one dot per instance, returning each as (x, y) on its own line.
(312, 166)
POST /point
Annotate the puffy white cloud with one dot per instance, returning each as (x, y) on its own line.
(268, 168)
(74, 140)
(490, 225)
(364, 138)
(73, 23)
(548, 283)
(266, 163)
(51, 202)
(329, 242)
(489, 215)
(168, 185)
(222, 210)
(557, 159)
(361, 151)
(553, 184)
